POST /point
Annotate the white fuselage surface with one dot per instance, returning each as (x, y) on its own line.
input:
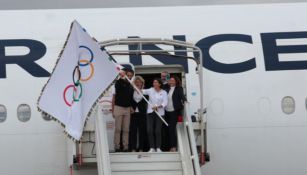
(254, 74)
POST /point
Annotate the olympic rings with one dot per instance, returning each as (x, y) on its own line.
(91, 53)
(77, 79)
(92, 70)
(64, 94)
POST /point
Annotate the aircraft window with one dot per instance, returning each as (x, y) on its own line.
(24, 112)
(288, 105)
(3, 113)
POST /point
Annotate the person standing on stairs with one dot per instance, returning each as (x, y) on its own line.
(121, 107)
(138, 129)
(174, 107)
(157, 101)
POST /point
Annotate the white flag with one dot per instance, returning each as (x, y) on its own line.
(81, 75)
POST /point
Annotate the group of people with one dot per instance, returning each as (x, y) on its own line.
(138, 126)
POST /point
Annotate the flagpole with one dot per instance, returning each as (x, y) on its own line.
(145, 99)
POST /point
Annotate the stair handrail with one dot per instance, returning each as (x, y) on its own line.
(102, 147)
(190, 131)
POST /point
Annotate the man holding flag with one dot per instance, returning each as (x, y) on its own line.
(121, 107)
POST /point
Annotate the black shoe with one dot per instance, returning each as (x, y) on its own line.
(125, 150)
(117, 150)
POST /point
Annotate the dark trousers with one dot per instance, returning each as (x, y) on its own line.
(171, 133)
(154, 125)
(138, 132)
(165, 137)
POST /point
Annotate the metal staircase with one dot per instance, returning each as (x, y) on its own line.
(146, 163)
(182, 162)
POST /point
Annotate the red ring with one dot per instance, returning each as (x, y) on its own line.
(64, 94)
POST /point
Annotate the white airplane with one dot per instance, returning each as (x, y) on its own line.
(254, 73)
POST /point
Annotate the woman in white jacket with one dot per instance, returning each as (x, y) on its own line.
(158, 101)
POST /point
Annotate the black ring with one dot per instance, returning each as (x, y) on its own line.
(76, 83)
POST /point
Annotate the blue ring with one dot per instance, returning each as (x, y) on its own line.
(92, 56)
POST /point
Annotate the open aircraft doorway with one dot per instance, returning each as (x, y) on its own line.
(150, 72)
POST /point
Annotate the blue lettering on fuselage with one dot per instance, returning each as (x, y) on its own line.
(271, 53)
(26, 62)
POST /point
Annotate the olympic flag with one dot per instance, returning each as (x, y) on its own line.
(81, 75)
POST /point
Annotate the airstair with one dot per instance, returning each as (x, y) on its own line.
(184, 162)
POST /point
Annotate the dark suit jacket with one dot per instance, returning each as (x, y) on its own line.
(178, 98)
(142, 105)
(165, 86)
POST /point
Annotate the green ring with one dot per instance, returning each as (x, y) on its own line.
(80, 95)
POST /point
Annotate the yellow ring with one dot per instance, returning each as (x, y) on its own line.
(92, 70)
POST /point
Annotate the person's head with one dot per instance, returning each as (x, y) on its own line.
(174, 81)
(139, 82)
(164, 76)
(157, 83)
(129, 73)
(122, 73)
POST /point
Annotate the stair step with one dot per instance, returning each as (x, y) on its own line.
(149, 173)
(146, 166)
(145, 157)
(136, 163)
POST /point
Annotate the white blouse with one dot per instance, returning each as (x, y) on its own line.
(137, 97)
(156, 99)
(170, 106)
